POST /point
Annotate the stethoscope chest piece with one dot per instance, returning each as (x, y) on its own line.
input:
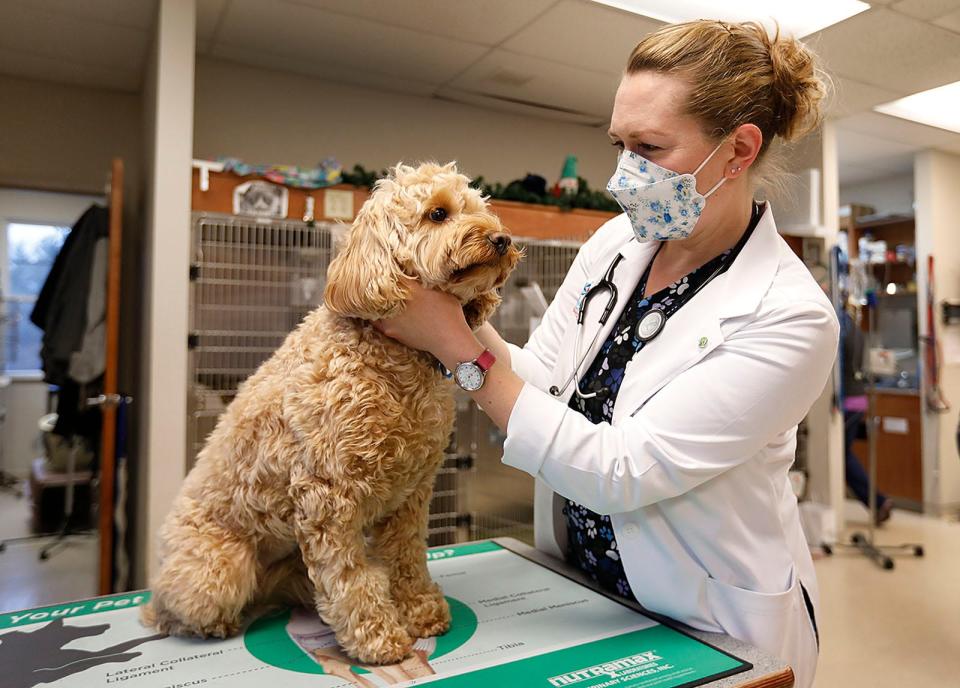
(650, 325)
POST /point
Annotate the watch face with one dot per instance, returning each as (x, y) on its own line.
(469, 376)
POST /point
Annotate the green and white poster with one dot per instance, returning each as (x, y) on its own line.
(515, 623)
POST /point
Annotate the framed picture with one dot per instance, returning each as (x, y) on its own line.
(258, 198)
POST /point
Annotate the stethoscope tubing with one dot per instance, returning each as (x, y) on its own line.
(606, 284)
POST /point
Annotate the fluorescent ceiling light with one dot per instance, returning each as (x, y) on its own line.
(939, 107)
(796, 17)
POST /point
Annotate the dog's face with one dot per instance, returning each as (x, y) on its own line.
(428, 224)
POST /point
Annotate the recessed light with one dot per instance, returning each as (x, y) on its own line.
(794, 18)
(938, 107)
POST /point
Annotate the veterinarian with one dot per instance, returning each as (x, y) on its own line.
(660, 434)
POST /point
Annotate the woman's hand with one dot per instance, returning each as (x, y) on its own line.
(433, 321)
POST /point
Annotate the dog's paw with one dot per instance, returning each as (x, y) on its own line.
(426, 615)
(170, 624)
(381, 642)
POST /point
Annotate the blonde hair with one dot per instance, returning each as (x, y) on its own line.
(739, 74)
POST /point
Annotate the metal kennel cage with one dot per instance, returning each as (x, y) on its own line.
(497, 501)
(253, 281)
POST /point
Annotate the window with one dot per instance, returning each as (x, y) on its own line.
(31, 250)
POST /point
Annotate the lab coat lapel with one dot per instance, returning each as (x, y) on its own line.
(701, 324)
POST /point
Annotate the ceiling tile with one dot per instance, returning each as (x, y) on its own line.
(309, 35)
(851, 96)
(208, 15)
(328, 72)
(487, 22)
(949, 21)
(519, 108)
(20, 64)
(43, 33)
(857, 148)
(541, 81)
(583, 34)
(887, 49)
(138, 14)
(896, 130)
(926, 9)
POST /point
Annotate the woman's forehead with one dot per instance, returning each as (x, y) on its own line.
(649, 103)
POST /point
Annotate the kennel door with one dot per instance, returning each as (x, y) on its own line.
(251, 283)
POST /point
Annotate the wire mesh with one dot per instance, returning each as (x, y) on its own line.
(253, 281)
(499, 499)
(251, 284)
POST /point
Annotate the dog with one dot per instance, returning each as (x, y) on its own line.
(314, 487)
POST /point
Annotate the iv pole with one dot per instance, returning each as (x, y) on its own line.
(866, 544)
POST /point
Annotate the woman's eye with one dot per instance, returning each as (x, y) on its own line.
(648, 147)
(617, 144)
(438, 215)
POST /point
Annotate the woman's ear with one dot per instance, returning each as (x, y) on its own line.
(364, 280)
(747, 141)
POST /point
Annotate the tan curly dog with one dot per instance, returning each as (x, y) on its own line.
(316, 483)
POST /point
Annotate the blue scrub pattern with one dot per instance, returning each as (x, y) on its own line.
(592, 545)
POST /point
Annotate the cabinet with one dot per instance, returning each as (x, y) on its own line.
(899, 469)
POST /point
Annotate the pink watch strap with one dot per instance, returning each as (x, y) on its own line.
(486, 360)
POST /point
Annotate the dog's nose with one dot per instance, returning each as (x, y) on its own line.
(501, 242)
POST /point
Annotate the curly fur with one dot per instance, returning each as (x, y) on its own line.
(316, 483)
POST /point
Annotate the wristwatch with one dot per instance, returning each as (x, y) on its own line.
(470, 375)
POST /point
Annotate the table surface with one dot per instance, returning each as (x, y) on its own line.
(768, 671)
(76, 651)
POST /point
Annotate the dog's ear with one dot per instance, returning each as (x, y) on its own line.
(364, 280)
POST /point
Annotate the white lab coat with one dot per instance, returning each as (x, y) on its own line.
(693, 467)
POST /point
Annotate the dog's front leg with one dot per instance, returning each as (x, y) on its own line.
(401, 541)
(353, 594)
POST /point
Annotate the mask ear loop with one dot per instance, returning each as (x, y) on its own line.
(701, 166)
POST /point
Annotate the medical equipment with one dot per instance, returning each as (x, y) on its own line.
(607, 285)
(650, 325)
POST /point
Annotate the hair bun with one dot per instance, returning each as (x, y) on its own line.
(799, 87)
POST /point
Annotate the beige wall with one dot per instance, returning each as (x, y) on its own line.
(263, 116)
(892, 194)
(61, 137)
(937, 176)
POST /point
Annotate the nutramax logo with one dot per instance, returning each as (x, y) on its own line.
(611, 669)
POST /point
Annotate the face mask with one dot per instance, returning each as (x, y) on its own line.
(661, 204)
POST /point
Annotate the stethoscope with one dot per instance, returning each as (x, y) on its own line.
(650, 325)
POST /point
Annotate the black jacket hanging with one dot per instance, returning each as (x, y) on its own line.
(61, 307)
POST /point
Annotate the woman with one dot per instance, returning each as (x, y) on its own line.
(661, 438)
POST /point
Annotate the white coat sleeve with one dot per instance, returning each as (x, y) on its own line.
(535, 361)
(710, 418)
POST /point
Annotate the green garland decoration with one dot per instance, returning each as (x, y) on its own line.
(585, 198)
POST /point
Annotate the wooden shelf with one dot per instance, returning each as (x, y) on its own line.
(522, 219)
(894, 230)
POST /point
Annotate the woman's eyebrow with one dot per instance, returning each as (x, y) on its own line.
(637, 134)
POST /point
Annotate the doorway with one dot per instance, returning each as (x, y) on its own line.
(44, 476)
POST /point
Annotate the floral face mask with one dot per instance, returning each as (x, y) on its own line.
(661, 204)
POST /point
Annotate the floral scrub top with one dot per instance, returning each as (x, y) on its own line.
(591, 544)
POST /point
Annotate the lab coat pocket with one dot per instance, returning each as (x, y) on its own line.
(777, 623)
(749, 615)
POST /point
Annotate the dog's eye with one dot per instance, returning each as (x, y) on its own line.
(438, 215)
